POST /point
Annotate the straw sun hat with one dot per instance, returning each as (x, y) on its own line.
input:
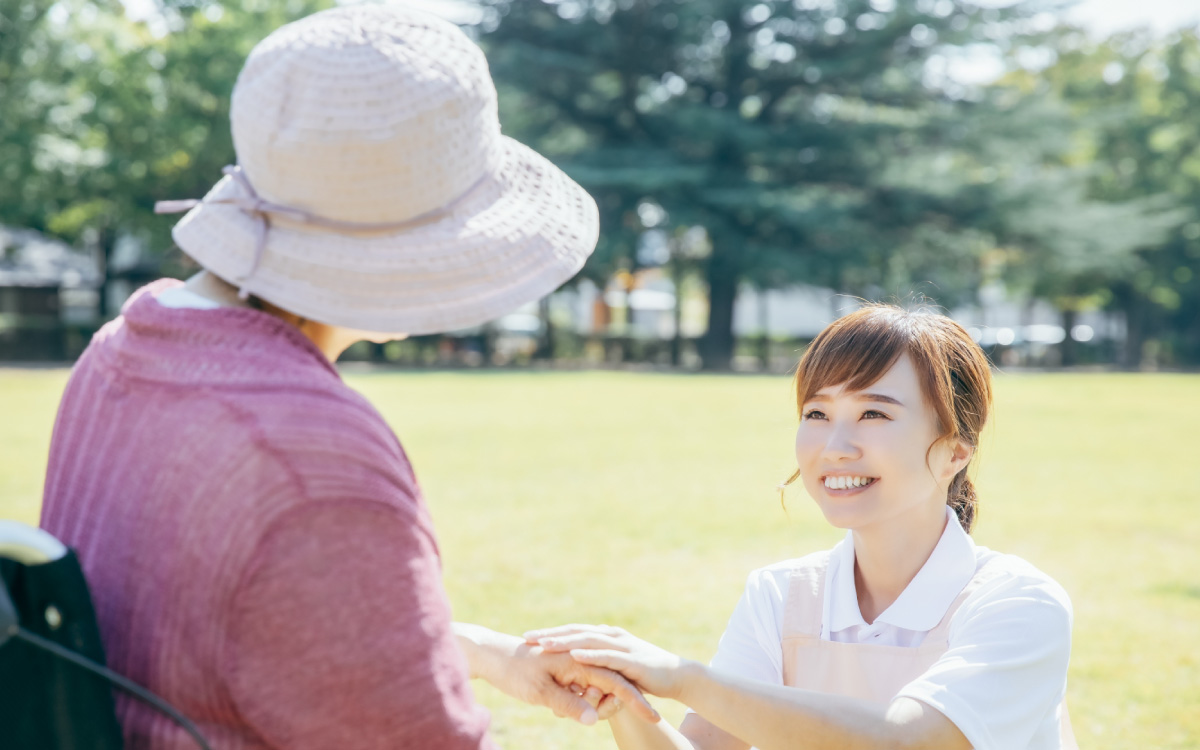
(373, 188)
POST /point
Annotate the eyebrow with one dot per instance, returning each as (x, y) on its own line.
(876, 397)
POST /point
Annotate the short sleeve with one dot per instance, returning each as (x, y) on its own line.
(751, 645)
(339, 636)
(1004, 674)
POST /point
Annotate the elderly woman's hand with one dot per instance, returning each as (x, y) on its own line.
(555, 680)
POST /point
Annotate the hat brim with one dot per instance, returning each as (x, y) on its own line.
(514, 238)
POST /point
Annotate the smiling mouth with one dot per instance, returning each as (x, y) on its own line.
(845, 483)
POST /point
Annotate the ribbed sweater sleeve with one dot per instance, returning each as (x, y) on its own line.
(339, 636)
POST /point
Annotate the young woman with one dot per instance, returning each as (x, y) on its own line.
(905, 634)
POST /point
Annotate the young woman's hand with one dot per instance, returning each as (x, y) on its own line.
(649, 667)
(555, 680)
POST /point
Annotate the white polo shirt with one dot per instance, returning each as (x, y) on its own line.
(1003, 677)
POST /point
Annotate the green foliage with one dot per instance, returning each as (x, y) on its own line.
(644, 501)
(815, 142)
(34, 58)
(161, 111)
(118, 114)
(770, 124)
(1137, 101)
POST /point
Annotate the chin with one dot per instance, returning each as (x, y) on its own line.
(854, 512)
(841, 518)
(842, 515)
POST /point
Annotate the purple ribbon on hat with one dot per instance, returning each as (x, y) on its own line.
(252, 203)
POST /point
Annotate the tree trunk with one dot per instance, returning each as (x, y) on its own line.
(105, 241)
(1070, 350)
(1135, 330)
(487, 342)
(764, 332)
(677, 339)
(716, 352)
(545, 347)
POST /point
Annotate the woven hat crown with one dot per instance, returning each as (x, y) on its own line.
(366, 114)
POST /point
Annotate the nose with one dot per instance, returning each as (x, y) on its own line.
(839, 443)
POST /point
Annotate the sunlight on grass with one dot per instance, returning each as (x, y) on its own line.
(28, 403)
(644, 500)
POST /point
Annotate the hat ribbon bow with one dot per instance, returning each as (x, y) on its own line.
(262, 209)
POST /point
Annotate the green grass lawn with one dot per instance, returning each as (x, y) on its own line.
(644, 500)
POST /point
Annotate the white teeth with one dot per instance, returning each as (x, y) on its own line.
(844, 482)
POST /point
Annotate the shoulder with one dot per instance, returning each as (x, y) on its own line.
(307, 414)
(295, 448)
(785, 569)
(1004, 673)
(771, 582)
(297, 393)
(791, 566)
(1011, 591)
(1008, 575)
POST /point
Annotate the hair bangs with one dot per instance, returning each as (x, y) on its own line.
(856, 350)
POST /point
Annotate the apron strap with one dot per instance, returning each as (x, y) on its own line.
(941, 631)
(805, 596)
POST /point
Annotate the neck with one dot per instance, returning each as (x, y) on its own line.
(889, 555)
(331, 340)
(215, 288)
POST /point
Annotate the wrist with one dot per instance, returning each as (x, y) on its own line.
(625, 722)
(485, 649)
(690, 675)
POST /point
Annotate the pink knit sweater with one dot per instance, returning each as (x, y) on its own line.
(256, 543)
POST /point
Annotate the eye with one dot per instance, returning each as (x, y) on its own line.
(874, 414)
(814, 414)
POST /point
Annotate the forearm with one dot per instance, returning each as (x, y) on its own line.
(482, 647)
(634, 733)
(774, 717)
(771, 717)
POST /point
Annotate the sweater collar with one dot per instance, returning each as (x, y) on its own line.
(226, 345)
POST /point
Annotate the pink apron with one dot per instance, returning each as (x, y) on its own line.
(861, 670)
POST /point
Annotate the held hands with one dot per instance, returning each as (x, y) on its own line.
(555, 680)
(647, 666)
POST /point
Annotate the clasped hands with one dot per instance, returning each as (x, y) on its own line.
(586, 672)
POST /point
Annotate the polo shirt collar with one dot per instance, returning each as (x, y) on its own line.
(924, 602)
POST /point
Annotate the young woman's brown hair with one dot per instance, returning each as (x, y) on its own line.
(955, 376)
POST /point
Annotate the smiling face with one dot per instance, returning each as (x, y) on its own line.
(866, 456)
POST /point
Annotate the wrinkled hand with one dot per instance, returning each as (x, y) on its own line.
(555, 680)
(649, 667)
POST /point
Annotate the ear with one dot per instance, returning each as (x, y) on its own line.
(961, 453)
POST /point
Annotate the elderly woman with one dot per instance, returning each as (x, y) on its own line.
(255, 538)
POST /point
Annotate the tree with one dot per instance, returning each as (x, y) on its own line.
(35, 59)
(780, 127)
(1136, 99)
(138, 112)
